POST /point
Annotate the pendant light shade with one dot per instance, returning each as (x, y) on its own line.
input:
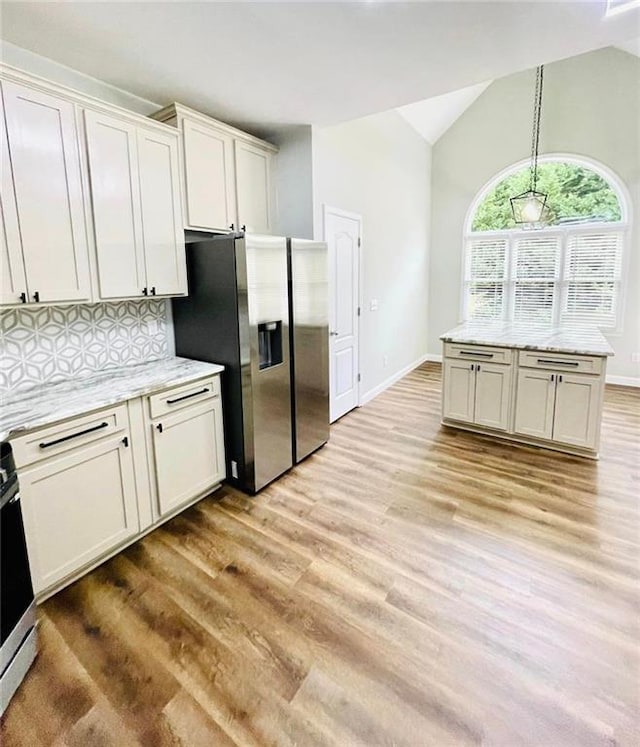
(529, 208)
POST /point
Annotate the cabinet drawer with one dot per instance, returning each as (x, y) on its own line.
(478, 353)
(174, 399)
(62, 437)
(559, 362)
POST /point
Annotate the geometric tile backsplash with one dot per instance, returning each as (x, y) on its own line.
(52, 343)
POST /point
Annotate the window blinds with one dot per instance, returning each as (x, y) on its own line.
(536, 264)
(569, 278)
(593, 269)
(485, 276)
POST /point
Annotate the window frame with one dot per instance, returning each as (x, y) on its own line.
(564, 232)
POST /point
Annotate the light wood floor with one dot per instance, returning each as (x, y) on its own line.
(407, 585)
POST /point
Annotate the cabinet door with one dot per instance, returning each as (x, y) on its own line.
(577, 409)
(12, 278)
(76, 508)
(113, 176)
(253, 187)
(189, 455)
(162, 225)
(44, 148)
(493, 395)
(459, 390)
(534, 403)
(209, 177)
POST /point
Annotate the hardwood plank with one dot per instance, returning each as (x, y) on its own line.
(407, 584)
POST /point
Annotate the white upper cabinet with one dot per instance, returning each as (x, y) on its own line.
(13, 283)
(253, 187)
(43, 146)
(113, 164)
(163, 231)
(135, 191)
(227, 174)
(209, 177)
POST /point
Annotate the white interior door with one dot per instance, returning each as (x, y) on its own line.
(342, 233)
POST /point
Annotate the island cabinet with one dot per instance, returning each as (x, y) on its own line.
(227, 174)
(555, 405)
(552, 399)
(92, 484)
(477, 389)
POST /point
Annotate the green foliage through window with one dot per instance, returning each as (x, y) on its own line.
(575, 194)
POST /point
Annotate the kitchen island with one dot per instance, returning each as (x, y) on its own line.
(542, 387)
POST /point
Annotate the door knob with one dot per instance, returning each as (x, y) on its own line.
(333, 334)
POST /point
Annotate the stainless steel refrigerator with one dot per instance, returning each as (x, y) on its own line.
(259, 305)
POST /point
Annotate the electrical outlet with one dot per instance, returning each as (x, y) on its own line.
(385, 361)
(152, 327)
(373, 304)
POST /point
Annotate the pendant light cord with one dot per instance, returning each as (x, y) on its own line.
(535, 137)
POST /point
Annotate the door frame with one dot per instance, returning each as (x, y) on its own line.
(340, 213)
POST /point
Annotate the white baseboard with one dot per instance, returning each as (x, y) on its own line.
(623, 380)
(434, 357)
(368, 396)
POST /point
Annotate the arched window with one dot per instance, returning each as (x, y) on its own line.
(565, 274)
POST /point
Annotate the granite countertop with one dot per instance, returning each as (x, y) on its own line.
(586, 341)
(49, 403)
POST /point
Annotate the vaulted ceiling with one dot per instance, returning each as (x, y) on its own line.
(308, 62)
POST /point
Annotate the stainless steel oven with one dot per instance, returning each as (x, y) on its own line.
(17, 607)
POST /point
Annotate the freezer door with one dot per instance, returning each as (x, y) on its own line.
(270, 389)
(310, 344)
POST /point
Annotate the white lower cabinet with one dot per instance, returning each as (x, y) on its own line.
(477, 393)
(555, 399)
(493, 395)
(188, 453)
(534, 403)
(459, 385)
(77, 507)
(558, 407)
(87, 484)
(577, 410)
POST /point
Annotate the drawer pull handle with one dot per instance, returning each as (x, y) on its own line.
(187, 396)
(46, 444)
(473, 352)
(558, 363)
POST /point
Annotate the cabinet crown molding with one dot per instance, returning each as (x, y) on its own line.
(179, 112)
(9, 73)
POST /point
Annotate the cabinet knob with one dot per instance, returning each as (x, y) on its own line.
(36, 297)
(232, 226)
(159, 427)
(145, 291)
(125, 441)
(153, 290)
(23, 298)
(243, 229)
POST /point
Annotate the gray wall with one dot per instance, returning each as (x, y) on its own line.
(379, 167)
(294, 182)
(591, 108)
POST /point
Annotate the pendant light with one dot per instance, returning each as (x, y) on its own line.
(529, 207)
